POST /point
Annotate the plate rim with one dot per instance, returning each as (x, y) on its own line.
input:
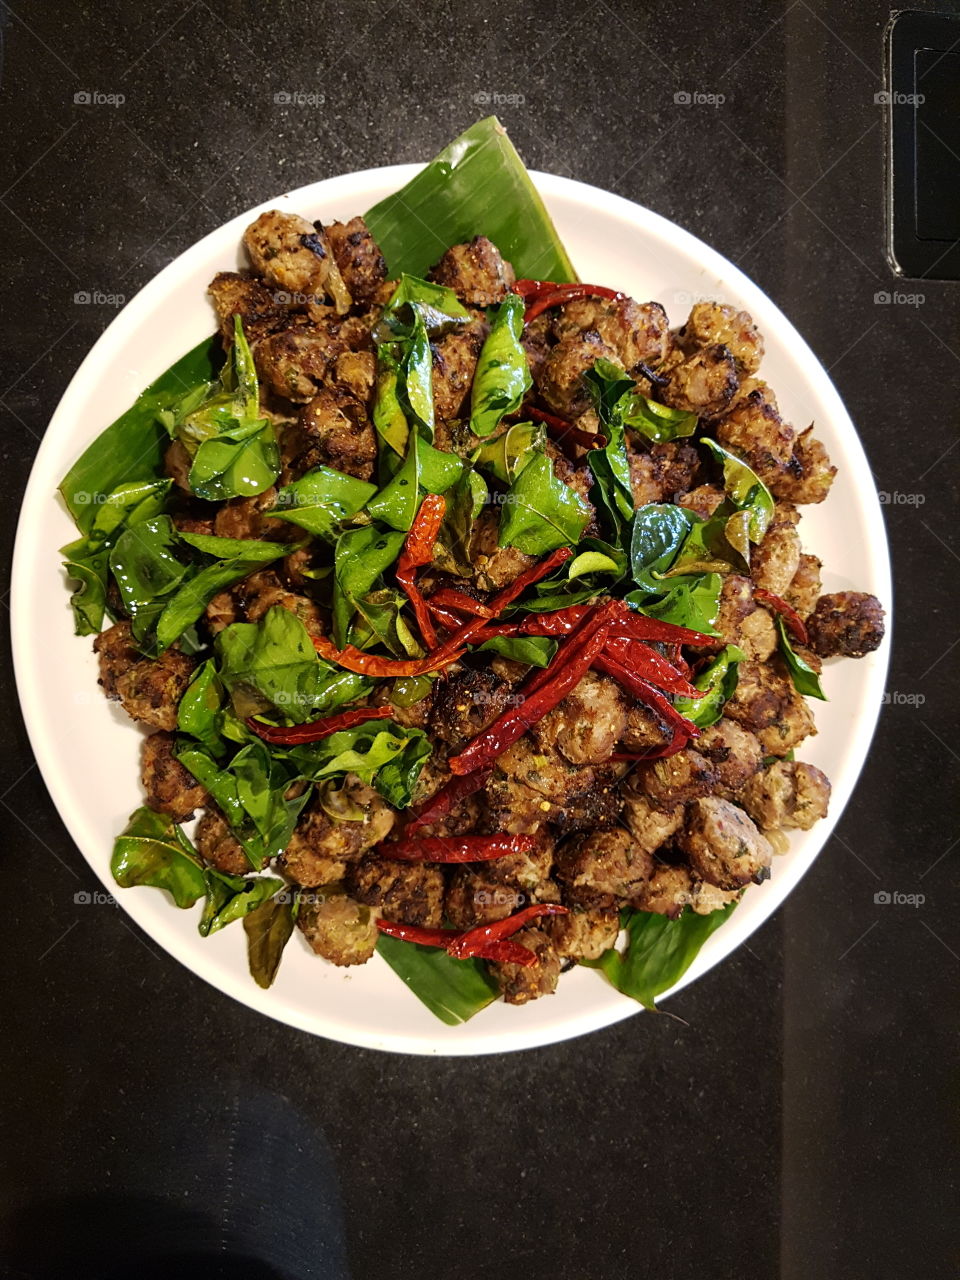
(244, 990)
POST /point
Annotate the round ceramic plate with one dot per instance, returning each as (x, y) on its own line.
(88, 751)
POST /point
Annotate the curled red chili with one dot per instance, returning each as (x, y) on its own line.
(649, 664)
(540, 695)
(447, 798)
(451, 598)
(282, 736)
(795, 623)
(484, 935)
(371, 664)
(543, 294)
(645, 692)
(417, 552)
(456, 848)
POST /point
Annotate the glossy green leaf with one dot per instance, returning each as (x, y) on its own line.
(362, 556)
(269, 928)
(717, 683)
(540, 512)
(475, 186)
(465, 501)
(397, 502)
(152, 850)
(231, 898)
(746, 491)
(453, 990)
(321, 501)
(381, 753)
(505, 456)
(659, 531)
(198, 713)
(692, 603)
(805, 679)
(502, 377)
(537, 651)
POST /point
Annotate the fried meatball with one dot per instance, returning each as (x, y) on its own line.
(587, 725)
(710, 323)
(661, 472)
(603, 867)
(262, 591)
(804, 591)
(148, 690)
(355, 373)
(637, 332)
(703, 500)
(531, 870)
(238, 295)
(676, 779)
(362, 266)
(787, 794)
(670, 889)
(494, 566)
(455, 358)
(846, 624)
(336, 432)
(177, 464)
(473, 897)
(322, 846)
(407, 892)
(583, 934)
(561, 376)
(808, 474)
(703, 383)
(338, 928)
(522, 983)
(294, 255)
(754, 431)
(774, 563)
(723, 845)
(644, 731)
(462, 817)
(650, 827)
(217, 844)
(221, 612)
(416, 715)
(476, 272)
(465, 703)
(246, 518)
(734, 753)
(743, 622)
(169, 786)
(296, 361)
(766, 703)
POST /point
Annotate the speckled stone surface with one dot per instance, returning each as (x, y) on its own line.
(793, 1124)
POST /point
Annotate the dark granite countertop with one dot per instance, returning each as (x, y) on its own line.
(792, 1124)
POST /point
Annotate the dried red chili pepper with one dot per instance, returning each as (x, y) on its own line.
(645, 692)
(371, 664)
(313, 731)
(641, 627)
(568, 293)
(563, 674)
(592, 621)
(503, 951)
(417, 552)
(507, 952)
(794, 622)
(416, 933)
(484, 935)
(649, 664)
(456, 848)
(563, 432)
(447, 798)
(451, 598)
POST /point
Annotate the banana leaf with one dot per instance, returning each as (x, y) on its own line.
(132, 448)
(475, 186)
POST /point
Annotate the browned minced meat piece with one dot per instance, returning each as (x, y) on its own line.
(414, 716)
(217, 844)
(169, 786)
(676, 779)
(846, 624)
(774, 563)
(754, 431)
(262, 591)
(296, 361)
(296, 256)
(713, 322)
(245, 518)
(358, 256)
(221, 612)
(355, 372)
(577, 478)
(522, 983)
(766, 703)
(601, 868)
(531, 785)
(734, 753)
(723, 845)
(148, 690)
(638, 332)
(321, 846)
(336, 432)
(406, 892)
(176, 464)
(704, 383)
(670, 889)
(661, 472)
(465, 703)
(560, 378)
(237, 295)
(455, 358)
(644, 730)
(809, 473)
(463, 817)
(337, 927)
(703, 500)
(787, 794)
(495, 566)
(804, 591)
(473, 897)
(536, 343)
(584, 933)
(192, 516)
(650, 827)
(743, 622)
(588, 723)
(476, 272)
(531, 870)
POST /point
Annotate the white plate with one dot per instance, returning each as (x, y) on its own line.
(88, 750)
